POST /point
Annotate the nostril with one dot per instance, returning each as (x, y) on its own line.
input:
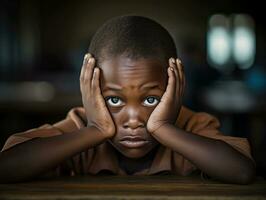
(125, 126)
(134, 125)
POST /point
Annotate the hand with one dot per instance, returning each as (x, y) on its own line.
(94, 104)
(168, 109)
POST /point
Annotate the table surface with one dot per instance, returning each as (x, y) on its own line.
(132, 187)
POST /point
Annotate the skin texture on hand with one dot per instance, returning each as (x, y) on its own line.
(93, 101)
(145, 105)
(216, 158)
(168, 109)
(38, 156)
(131, 82)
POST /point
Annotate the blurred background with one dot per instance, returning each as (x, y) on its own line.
(221, 44)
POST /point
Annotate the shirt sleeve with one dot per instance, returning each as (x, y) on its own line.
(66, 125)
(205, 125)
(47, 130)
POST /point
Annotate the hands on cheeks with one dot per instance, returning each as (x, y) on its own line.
(94, 104)
(166, 112)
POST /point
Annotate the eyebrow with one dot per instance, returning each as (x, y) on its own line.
(112, 86)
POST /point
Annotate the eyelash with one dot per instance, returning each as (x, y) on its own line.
(119, 99)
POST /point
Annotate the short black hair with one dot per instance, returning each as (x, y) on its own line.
(133, 36)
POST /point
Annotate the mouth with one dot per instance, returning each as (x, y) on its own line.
(133, 142)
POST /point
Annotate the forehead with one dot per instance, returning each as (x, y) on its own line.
(133, 73)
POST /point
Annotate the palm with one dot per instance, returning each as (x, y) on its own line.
(168, 108)
(162, 114)
(93, 101)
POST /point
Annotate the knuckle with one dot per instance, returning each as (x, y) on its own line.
(91, 62)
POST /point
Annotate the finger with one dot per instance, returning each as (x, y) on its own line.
(81, 77)
(172, 63)
(89, 71)
(182, 76)
(177, 85)
(96, 81)
(179, 77)
(171, 86)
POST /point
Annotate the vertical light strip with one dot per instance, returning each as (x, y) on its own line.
(244, 44)
(219, 42)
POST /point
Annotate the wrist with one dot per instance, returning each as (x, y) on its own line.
(163, 128)
(107, 132)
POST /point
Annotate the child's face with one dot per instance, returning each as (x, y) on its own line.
(132, 89)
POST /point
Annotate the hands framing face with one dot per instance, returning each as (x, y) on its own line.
(93, 101)
(168, 109)
(97, 113)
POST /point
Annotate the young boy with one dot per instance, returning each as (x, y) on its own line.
(132, 121)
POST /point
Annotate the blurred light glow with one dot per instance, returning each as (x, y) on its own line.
(231, 42)
(219, 46)
(229, 96)
(27, 91)
(244, 44)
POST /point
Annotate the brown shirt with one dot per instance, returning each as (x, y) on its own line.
(103, 157)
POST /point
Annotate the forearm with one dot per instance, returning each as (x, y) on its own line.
(213, 157)
(39, 155)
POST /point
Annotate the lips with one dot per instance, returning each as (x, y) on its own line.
(133, 141)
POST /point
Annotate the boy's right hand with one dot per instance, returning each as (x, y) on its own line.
(93, 101)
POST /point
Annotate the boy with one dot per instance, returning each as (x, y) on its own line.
(132, 121)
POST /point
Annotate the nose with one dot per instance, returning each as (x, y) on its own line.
(134, 120)
(133, 124)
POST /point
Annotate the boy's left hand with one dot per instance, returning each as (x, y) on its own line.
(166, 112)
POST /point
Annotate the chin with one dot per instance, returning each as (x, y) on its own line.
(133, 153)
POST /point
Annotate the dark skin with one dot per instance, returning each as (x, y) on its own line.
(214, 157)
(132, 97)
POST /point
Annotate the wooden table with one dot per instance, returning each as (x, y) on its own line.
(131, 187)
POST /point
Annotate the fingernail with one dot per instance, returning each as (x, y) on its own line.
(90, 60)
(86, 55)
(171, 68)
(172, 60)
(179, 61)
(95, 70)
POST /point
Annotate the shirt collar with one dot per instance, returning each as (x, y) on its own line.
(105, 158)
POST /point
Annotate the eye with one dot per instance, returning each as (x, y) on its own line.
(114, 101)
(151, 101)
